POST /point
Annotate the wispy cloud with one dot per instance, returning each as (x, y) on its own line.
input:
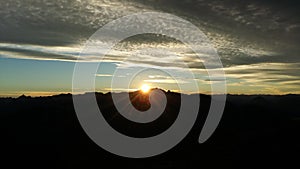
(167, 81)
(119, 89)
(162, 79)
(103, 75)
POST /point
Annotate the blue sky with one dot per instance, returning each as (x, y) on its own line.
(34, 76)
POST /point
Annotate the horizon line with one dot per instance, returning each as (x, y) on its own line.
(166, 91)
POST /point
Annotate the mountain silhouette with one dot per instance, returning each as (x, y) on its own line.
(254, 130)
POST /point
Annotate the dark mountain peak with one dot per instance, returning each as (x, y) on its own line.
(22, 97)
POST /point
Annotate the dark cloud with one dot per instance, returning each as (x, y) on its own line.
(233, 25)
(24, 53)
(57, 22)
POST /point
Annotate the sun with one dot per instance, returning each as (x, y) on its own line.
(145, 88)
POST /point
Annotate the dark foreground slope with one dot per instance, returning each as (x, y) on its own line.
(254, 131)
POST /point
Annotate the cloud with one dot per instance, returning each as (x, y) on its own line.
(162, 79)
(239, 31)
(58, 22)
(258, 41)
(37, 54)
(166, 81)
(119, 89)
(103, 75)
(283, 77)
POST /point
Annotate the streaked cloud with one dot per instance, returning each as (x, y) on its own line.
(168, 81)
(103, 75)
(119, 89)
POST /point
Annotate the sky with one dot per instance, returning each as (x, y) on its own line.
(257, 41)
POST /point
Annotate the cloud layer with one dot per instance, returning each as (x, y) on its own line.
(258, 41)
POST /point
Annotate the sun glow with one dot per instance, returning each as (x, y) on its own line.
(145, 88)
